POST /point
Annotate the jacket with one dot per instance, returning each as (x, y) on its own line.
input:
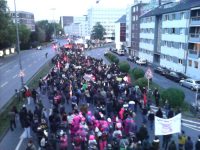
(188, 145)
(11, 116)
(123, 143)
(83, 109)
(109, 106)
(32, 146)
(155, 144)
(182, 139)
(197, 145)
(151, 116)
(28, 94)
(170, 114)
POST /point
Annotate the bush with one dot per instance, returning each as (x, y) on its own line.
(174, 96)
(138, 73)
(112, 57)
(35, 44)
(142, 82)
(124, 66)
(134, 69)
(116, 60)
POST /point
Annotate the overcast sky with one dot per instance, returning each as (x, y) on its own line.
(41, 8)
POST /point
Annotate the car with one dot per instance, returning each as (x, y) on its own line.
(105, 53)
(120, 52)
(130, 58)
(161, 70)
(114, 50)
(190, 83)
(175, 76)
(141, 62)
(54, 41)
(39, 48)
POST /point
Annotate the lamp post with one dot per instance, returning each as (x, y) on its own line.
(54, 22)
(18, 46)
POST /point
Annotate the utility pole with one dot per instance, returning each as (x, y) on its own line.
(54, 22)
(18, 46)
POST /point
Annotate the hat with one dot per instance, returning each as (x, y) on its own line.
(102, 129)
(72, 122)
(132, 120)
(93, 118)
(83, 119)
(24, 105)
(91, 137)
(109, 120)
(89, 113)
(81, 127)
(11, 109)
(96, 129)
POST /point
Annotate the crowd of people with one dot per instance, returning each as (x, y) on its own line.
(101, 109)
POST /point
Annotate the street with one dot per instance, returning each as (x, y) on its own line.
(32, 61)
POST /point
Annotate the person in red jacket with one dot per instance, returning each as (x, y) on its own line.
(28, 95)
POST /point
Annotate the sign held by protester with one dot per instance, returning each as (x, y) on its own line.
(168, 126)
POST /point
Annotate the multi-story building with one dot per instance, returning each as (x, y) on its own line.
(72, 29)
(83, 29)
(134, 28)
(26, 18)
(128, 26)
(106, 16)
(164, 34)
(120, 32)
(193, 59)
(67, 20)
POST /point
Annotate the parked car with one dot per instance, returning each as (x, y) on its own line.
(175, 76)
(114, 50)
(120, 52)
(39, 48)
(54, 41)
(190, 83)
(130, 58)
(141, 62)
(105, 53)
(161, 70)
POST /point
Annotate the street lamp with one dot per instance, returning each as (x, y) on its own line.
(18, 46)
(54, 21)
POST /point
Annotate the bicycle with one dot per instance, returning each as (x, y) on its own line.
(195, 109)
(149, 91)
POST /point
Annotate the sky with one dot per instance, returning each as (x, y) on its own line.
(41, 8)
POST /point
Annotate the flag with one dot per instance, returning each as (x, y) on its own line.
(145, 99)
(59, 65)
(128, 79)
(65, 58)
(70, 91)
(88, 64)
(61, 53)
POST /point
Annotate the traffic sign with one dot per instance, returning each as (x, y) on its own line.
(149, 71)
(21, 74)
(149, 74)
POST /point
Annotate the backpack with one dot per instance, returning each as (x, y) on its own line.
(115, 143)
(129, 123)
(28, 147)
(146, 144)
(55, 101)
(77, 141)
(104, 136)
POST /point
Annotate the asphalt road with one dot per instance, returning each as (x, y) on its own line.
(32, 61)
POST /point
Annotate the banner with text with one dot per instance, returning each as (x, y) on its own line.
(168, 126)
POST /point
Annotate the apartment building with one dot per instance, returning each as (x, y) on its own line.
(106, 16)
(164, 34)
(67, 20)
(120, 32)
(26, 18)
(83, 29)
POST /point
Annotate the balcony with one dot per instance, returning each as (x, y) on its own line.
(193, 53)
(195, 21)
(194, 37)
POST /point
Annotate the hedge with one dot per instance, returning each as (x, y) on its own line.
(174, 96)
(134, 69)
(124, 66)
(142, 82)
(138, 73)
(116, 60)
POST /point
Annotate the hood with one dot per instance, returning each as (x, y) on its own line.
(30, 144)
(156, 141)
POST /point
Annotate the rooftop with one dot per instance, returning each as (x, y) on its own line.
(180, 6)
(122, 19)
(23, 12)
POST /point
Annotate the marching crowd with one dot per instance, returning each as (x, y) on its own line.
(81, 82)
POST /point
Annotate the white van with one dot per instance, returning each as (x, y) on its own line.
(120, 52)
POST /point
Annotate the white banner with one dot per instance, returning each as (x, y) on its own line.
(168, 126)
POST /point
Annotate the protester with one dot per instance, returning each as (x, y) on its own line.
(12, 115)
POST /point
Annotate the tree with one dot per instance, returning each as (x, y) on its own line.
(7, 27)
(24, 33)
(98, 31)
(41, 35)
(59, 29)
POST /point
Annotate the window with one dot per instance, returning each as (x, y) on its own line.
(173, 30)
(171, 58)
(165, 43)
(180, 61)
(147, 20)
(141, 49)
(190, 63)
(133, 18)
(167, 17)
(133, 9)
(141, 20)
(136, 18)
(151, 30)
(165, 56)
(180, 45)
(141, 40)
(133, 35)
(136, 8)
(151, 19)
(149, 52)
(166, 30)
(196, 64)
(150, 41)
(136, 26)
(172, 44)
(133, 26)
(146, 51)
(173, 17)
(147, 30)
(182, 31)
(183, 15)
(142, 30)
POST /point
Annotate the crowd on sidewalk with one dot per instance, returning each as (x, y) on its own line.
(81, 82)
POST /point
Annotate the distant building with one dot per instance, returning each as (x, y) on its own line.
(26, 18)
(67, 20)
(120, 32)
(106, 16)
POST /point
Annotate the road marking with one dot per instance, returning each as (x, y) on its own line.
(190, 121)
(29, 65)
(34, 61)
(15, 65)
(28, 58)
(8, 70)
(24, 70)
(4, 84)
(190, 127)
(21, 140)
(15, 76)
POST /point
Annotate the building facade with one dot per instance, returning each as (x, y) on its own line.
(83, 29)
(120, 32)
(67, 20)
(164, 35)
(106, 16)
(72, 29)
(26, 18)
(135, 26)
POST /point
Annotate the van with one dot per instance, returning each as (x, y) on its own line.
(120, 52)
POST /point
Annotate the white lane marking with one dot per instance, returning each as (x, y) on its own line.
(191, 127)
(34, 61)
(15, 65)
(190, 121)
(4, 84)
(21, 140)
(28, 58)
(29, 65)
(15, 76)
(8, 70)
